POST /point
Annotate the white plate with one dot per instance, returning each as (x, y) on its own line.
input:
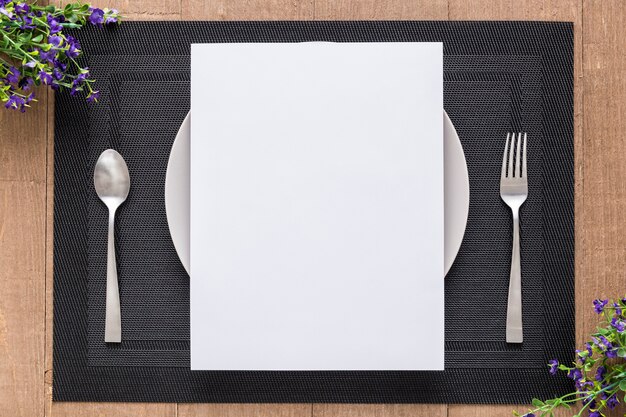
(456, 192)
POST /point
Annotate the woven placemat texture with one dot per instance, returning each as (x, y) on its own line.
(498, 77)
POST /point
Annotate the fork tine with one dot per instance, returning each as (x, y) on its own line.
(506, 147)
(524, 158)
(517, 156)
(511, 149)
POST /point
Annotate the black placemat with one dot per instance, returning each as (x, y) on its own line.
(498, 77)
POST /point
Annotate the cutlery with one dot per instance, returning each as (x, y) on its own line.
(514, 191)
(112, 184)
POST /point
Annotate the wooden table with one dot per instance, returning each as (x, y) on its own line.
(26, 193)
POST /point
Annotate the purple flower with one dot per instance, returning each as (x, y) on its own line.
(27, 23)
(25, 83)
(60, 65)
(49, 56)
(93, 96)
(589, 349)
(595, 414)
(72, 51)
(529, 415)
(111, 17)
(22, 8)
(15, 102)
(80, 79)
(618, 309)
(73, 41)
(618, 324)
(74, 91)
(581, 386)
(603, 343)
(45, 77)
(55, 86)
(598, 305)
(96, 17)
(30, 64)
(612, 402)
(7, 14)
(58, 75)
(575, 374)
(611, 353)
(592, 403)
(13, 76)
(55, 26)
(553, 364)
(55, 40)
(600, 373)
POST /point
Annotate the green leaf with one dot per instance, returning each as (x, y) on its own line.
(622, 385)
(555, 402)
(24, 37)
(37, 38)
(68, 7)
(537, 403)
(563, 368)
(84, 8)
(603, 331)
(621, 352)
(51, 9)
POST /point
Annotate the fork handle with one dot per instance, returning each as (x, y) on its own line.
(113, 320)
(514, 308)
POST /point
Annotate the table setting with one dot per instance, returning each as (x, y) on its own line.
(331, 212)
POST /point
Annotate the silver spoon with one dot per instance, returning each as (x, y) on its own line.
(112, 184)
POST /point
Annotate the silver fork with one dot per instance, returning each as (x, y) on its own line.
(514, 191)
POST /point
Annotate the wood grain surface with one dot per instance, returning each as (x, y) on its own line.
(26, 192)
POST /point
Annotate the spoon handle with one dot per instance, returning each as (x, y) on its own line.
(113, 324)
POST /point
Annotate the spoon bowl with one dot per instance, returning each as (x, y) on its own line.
(111, 179)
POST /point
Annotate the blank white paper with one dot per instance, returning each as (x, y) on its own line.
(317, 206)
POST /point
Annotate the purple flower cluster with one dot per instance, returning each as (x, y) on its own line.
(41, 53)
(605, 346)
(618, 324)
(16, 102)
(612, 402)
(599, 305)
(599, 369)
(98, 17)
